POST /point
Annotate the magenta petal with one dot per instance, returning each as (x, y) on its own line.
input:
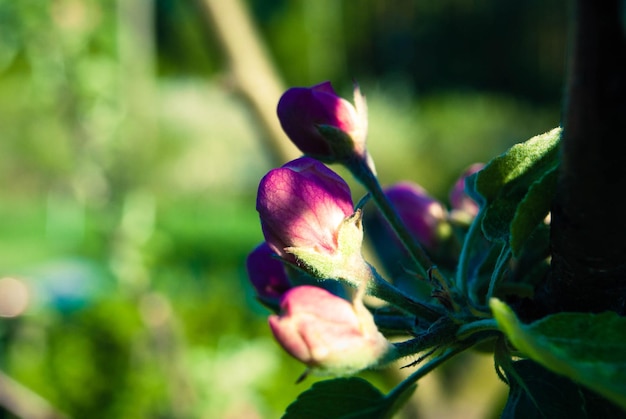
(302, 204)
(339, 113)
(320, 303)
(302, 110)
(298, 112)
(420, 212)
(314, 323)
(326, 331)
(287, 335)
(459, 200)
(327, 179)
(267, 273)
(324, 87)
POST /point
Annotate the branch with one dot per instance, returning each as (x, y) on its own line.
(23, 402)
(255, 77)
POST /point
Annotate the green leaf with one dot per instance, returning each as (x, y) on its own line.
(505, 183)
(532, 210)
(499, 215)
(588, 348)
(518, 162)
(342, 398)
(533, 258)
(545, 394)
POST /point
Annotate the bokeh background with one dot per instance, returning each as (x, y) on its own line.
(133, 134)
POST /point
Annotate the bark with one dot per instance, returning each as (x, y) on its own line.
(588, 235)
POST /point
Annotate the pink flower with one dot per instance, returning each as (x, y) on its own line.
(322, 124)
(302, 205)
(267, 274)
(422, 214)
(327, 332)
(461, 201)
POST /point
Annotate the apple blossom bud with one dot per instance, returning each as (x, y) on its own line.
(302, 204)
(267, 274)
(327, 333)
(463, 206)
(423, 215)
(322, 124)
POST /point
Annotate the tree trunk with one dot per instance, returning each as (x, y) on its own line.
(588, 213)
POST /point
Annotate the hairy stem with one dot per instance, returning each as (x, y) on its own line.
(364, 174)
(380, 288)
(425, 369)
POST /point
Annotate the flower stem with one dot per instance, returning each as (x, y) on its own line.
(469, 329)
(498, 272)
(428, 340)
(473, 235)
(364, 174)
(409, 382)
(380, 288)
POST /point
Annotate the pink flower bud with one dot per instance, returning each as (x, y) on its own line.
(327, 332)
(267, 274)
(422, 214)
(461, 201)
(302, 205)
(323, 125)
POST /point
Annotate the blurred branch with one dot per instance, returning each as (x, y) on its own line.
(137, 94)
(23, 402)
(255, 77)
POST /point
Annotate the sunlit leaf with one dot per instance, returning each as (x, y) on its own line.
(514, 178)
(342, 397)
(588, 348)
(517, 163)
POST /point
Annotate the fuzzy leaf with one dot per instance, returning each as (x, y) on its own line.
(499, 216)
(517, 163)
(505, 183)
(588, 348)
(341, 398)
(532, 210)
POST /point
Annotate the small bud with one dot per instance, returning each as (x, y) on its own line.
(307, 217)
(324, 125)
(267, 274)
(327, 333)
(423, 215)
(463, 206)
(302, 204)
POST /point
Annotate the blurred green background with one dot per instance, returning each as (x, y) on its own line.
(131, 146)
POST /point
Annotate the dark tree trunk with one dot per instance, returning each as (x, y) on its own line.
(589, 210)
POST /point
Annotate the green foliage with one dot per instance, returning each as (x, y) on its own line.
(517, 190)
(573, 357)
(532, 210)
(343, 398)
(536, 392)
(127, 203)
(588, 348)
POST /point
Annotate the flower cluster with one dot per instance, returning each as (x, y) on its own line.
(314, 235)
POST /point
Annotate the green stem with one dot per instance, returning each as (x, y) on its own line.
(467, 330)
(439, 334)
(425, 369)
(380, 288)
(498, 271)
(364, 174)
(473, 235)
(393, 324)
